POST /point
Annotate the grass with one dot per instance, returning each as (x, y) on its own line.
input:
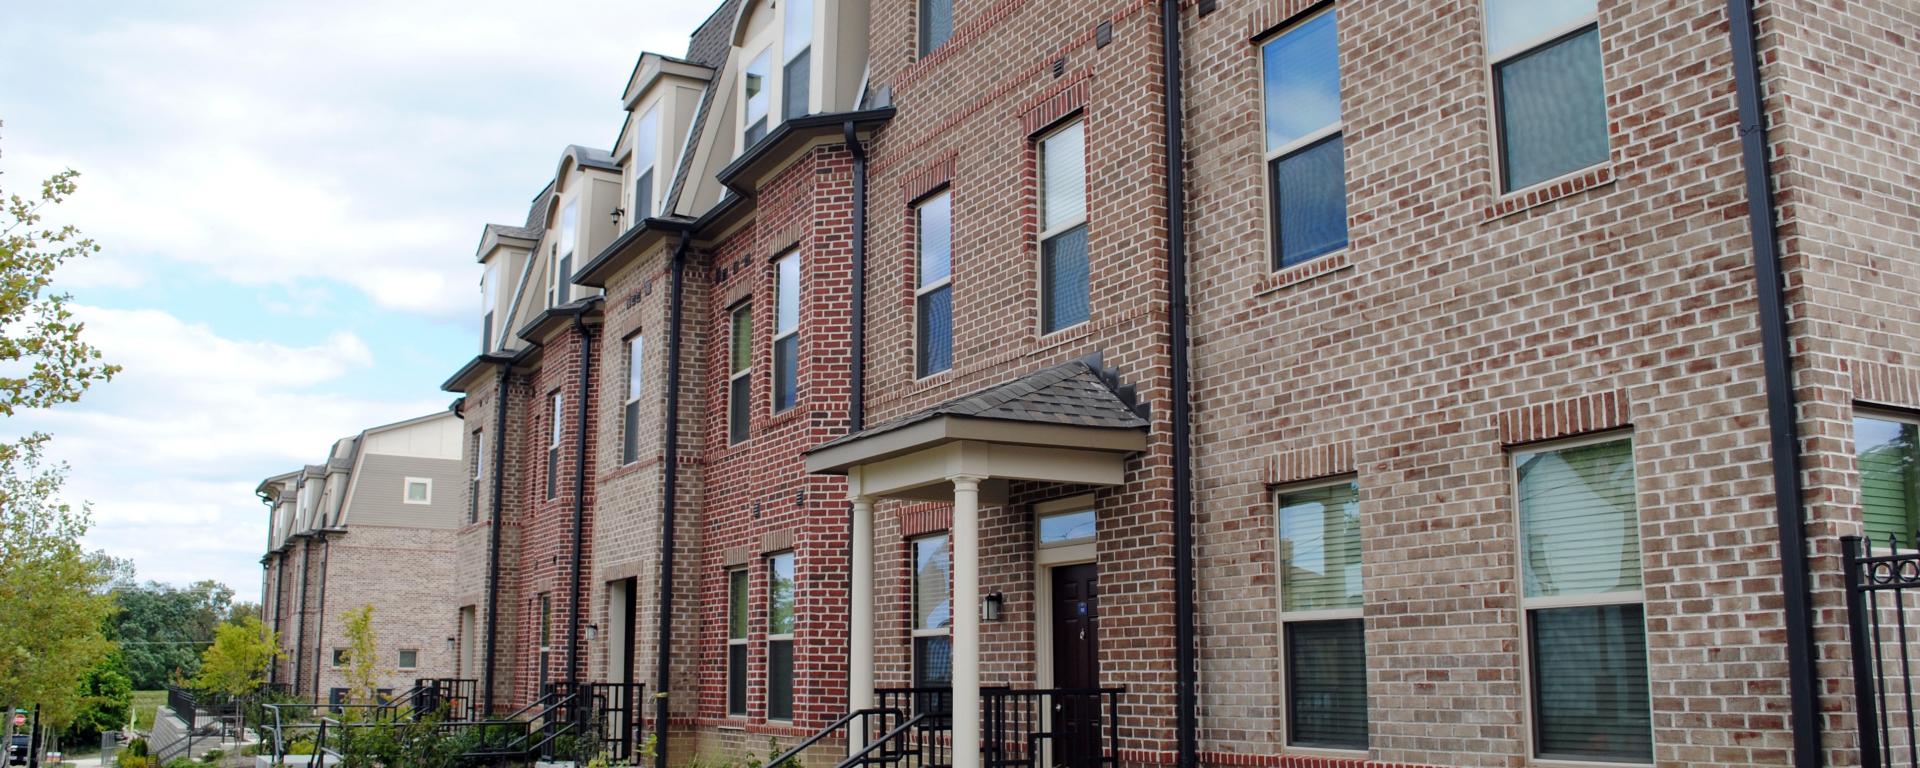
(144, 703)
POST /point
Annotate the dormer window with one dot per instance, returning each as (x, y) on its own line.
(755, 89)
(488, 278)
(560, 288)
(796, 48)
(646, 154)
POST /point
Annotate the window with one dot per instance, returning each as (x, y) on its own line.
(340, 657)
(740, 384)
(1067, 527)
(560, 286)
(1550, 103)
(630, 419)
(1320, 603)
(796, 47)
(646, 152)
(546, 639)
(786, 331)
(1063, 235)
(1580, 568)
(1887, 452)
(1305, 151)
(932, 613)
(409, 658)
(479, 471)
(780, 623)
(933, 294)
(936, 24)
(419, 491)
(488, 278)
(737, 641)
(336, 697)
(754, 89)
(556, 428)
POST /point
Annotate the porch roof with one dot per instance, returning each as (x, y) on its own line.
(1074, 405)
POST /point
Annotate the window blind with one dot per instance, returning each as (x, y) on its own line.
(1320, 548)
(1590, 683)
(1578, 520)
(1327, 684)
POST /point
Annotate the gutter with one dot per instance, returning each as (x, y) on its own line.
(669, 495)
(1783, 442)
(1186, 673)
(493, 545)
(857, 405)
(579, 499)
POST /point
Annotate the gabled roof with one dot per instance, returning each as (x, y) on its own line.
(708, 48)
(528, 233)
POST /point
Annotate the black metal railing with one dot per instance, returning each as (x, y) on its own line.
(449, 698)
(929, 740)
(1883, 588)
(881, 731)
(184, 704)
(1078, 728)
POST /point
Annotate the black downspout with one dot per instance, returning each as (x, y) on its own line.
(1783, 431)
(320, 619)
(670, 471)
(300, 641)
(857, 396)
(279, 607)
(1185, 669)
(493, 545)
(579, 500)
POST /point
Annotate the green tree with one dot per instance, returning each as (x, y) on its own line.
(237, 662)
(106, 702)
(41, 343)
(363, 672)
(164, 628)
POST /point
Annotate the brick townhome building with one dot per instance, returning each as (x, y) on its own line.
(373, 525)
(1420, 406)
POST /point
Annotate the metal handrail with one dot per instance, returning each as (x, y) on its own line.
(828, 731)
(861, 757)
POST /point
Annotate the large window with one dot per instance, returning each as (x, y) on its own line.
(489, 278)
(1306, 163)
(936, 24)
(932, 613)
(1321, 627)
(737, 641)
(780, 624)
(796, 46)
(755, 89)
(646, 153)
(560, 286)
(1063, 235)
(786, 332)
(1887, 452)
(630, 415)
(557, 405)
(1580, 568)
(739, 374)
(1551, 102)
(933, 294)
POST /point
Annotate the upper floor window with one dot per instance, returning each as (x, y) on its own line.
(560, 288)
(630, 417)
(1581, 591)
(780, 625)
(754, 88)
(419, 490)
(479, 471)
(739, 370)
(557, 404)
(488, 286)
(1886, 450)
(1550, 101)
(646, 153)
(933, 291)
(1305, 152)
(1321, 630)
(936, 24)
(786, 332)
(1063, 233)
(796, 47)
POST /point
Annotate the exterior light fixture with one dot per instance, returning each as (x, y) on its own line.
(593, 632)
(450, 644)
(617, 213)
(990, 606)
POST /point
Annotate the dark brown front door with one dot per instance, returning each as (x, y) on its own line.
(1076, 666)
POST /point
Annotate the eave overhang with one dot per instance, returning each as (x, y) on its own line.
(837, 459)
(790, 140)
(629, 246)
(543, 325)
(463, 379)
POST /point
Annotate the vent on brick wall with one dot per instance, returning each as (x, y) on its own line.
(1059, 66)
(1208, 6)
(1103, 34)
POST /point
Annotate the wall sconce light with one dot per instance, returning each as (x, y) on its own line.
(990, 606)
(450, 645)
(617, 213)
(593, 632)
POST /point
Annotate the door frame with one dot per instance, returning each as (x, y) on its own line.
(1045, 558)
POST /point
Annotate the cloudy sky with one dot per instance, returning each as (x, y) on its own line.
(289, 195)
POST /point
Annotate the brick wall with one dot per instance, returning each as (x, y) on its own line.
(401, 572)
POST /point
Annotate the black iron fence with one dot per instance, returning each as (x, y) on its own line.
(1883, 617)
(448, 698)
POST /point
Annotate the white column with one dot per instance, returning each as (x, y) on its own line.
(966, 622)
(860, 615)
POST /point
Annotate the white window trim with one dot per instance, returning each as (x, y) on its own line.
(913, 550)
(402, 654)
(922, 288)
(786, 637)
(1086, 207)
(1268, 155)
(557, 402)
(1287, 617)
(746, 634)
(340, 658)
(1494, 61)
(772, 41)
(1072, 504)
(651, 111)
(773, 350)
(733, 330)
(634, 394)
(406, 488)
(1530, 604)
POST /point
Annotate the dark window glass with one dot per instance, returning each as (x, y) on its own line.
(1310, 201)
(739, 409)
(780, 679)
(934, 292)
(795, 92)
(486, 332)
(756, 132)
(740, 387)
(936, 331)
(1064, 261)
(936, 24)
(642, 196)
(630, 440)
(1590, 683)
(1553, 110)
(737, 679)
(1327, 684)
(786, 371)
(737, 641)
(932, 661)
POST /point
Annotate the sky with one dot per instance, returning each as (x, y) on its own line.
(288, 195)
